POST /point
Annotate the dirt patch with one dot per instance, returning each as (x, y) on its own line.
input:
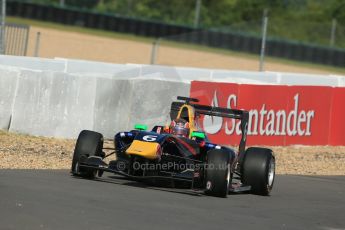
(19, 151)
(310, 160)
(56, 43)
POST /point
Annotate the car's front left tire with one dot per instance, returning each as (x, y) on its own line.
(89, 143)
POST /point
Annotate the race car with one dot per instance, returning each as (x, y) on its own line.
(179, 155)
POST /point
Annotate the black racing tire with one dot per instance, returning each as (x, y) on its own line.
(89, 143)
(259, 170)
(218, 173)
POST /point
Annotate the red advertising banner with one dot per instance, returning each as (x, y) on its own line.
(337, 122)
(278, 115)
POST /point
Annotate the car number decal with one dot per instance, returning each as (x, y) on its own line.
(149, 138)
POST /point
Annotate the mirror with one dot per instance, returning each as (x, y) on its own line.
(140, 127)
(199, 134)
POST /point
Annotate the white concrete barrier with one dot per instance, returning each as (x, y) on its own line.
(8, 83)
(82, 67)
(32, 63)
(177, 74)
(60, 104)
(341, 80)
(112, 106)
(53, 104)
(245, 77)
(308, 79)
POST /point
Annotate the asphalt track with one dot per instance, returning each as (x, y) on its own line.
(48, 199)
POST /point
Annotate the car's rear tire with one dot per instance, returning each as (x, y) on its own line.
(218, 173)
(259, 170)
(89, 143)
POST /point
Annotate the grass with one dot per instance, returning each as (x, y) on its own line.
(115, 35)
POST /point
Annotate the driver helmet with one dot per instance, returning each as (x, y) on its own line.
(179, 127)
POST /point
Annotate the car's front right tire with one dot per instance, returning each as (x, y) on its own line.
(218, 172)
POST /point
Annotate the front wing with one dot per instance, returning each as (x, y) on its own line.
(96, 163)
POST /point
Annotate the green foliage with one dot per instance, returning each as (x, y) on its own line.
(300, 20)
(177, 11)
(89, 4)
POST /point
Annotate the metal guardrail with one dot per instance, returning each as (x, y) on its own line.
(16, 39)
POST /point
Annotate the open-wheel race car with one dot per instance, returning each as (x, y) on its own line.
(180, 155)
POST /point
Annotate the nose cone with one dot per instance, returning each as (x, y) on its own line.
(147, 150)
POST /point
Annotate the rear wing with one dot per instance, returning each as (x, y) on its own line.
(215, 111)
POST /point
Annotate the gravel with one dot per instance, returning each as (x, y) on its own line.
(18, 151)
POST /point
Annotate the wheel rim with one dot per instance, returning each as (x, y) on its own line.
(271, 172)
